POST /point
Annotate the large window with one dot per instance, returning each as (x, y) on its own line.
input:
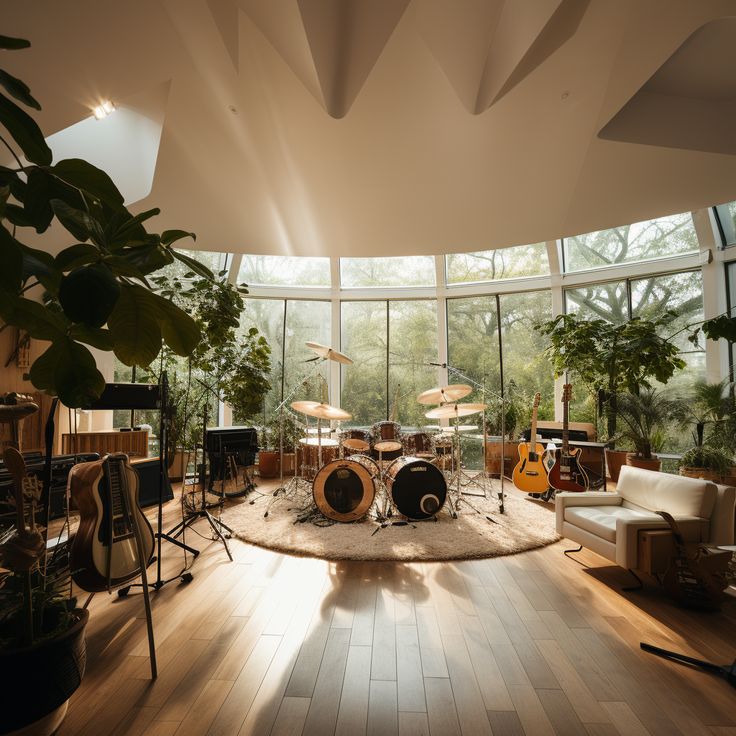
(609, 301)
(387, 272)
(731, 294)
(391, 344)
(665, 236)
(726, 214)
(284, 271)
(290, 358)
(493, 265)
(473, 348)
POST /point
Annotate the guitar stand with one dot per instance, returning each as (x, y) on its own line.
(217, 527)
(724, 671)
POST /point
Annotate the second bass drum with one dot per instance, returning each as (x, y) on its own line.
(418, 488)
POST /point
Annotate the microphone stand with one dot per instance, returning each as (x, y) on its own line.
(484, 392)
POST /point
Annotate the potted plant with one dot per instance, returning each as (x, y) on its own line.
(646, 417)
(95, 292)
(610, 359)
(703, 461)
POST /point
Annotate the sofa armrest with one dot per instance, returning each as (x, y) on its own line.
(722, 518)
(588, 498)
(627, 536)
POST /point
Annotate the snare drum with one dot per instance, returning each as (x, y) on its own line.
(417, 487)
(344, 489)
(386, 440)
(418, 444)
(307, 460)
(355, 441)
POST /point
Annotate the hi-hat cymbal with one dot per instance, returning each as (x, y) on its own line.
(453, 411)
(445, 394)
(320, 411)
(460, 428)
(325, 351)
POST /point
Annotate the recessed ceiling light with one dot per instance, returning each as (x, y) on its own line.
(103, 110)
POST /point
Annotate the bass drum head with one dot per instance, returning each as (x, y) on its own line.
(344, 490)
(417, 487)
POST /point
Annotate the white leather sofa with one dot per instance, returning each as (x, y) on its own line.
(609, 523)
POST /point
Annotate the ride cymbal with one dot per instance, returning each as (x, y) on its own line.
(324, 351)
(453, 411)
(445, 394)
(320, 411)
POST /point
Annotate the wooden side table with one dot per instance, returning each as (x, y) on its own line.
(133, 443)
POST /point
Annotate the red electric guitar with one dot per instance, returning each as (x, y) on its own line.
(568, 474)
(530, 473)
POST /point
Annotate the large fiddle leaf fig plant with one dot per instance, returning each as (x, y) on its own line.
(610, 359)
(96, 291)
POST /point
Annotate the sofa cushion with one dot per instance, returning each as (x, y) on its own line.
(601, 520)
(654, 491)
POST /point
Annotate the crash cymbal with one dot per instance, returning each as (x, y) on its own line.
(453, 411)
(325, 351)
(320, 411)
(445, 394)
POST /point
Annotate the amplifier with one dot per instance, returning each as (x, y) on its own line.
(60, 467)
(240, 442)
(128, 396)
(148, 470)
(550, 433)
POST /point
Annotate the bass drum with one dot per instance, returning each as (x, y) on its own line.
(344, 489)
(418, 488)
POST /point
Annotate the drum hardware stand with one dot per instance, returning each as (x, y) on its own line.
(727, 672)
(192, 515)
(485, 391)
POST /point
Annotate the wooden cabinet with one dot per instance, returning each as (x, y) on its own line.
(133, 444)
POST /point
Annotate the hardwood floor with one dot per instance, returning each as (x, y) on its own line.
(528, 644)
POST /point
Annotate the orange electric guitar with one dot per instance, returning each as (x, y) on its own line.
(104, 552)
(530, 473)
(568, 474)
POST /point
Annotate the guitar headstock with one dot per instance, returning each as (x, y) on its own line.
(566, 393)
(537, 399)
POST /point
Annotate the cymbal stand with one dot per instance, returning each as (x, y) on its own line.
(485, 476)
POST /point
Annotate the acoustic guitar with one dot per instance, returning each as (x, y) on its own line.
(567, 474)
(530, 473)
(103, 552)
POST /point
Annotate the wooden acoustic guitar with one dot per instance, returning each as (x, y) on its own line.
(530, 473)
(567, 474)
(104, 552)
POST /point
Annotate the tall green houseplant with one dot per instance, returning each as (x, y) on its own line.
(610, 359)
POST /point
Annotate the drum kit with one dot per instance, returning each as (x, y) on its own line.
(412, 474)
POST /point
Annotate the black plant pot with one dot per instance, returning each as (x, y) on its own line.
(37, 680)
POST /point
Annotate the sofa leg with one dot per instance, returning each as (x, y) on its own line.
(639, 585)
(568, 552)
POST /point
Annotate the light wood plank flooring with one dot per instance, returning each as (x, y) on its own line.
(528, 644)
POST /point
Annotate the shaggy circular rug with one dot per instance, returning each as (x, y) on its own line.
(525, 524)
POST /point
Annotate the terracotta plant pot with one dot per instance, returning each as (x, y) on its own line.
(268, 464)
(690, 471)
(730, 478)
(614, 460)
(652, 463)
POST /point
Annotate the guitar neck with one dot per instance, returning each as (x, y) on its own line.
(533, 431)
(565, 427)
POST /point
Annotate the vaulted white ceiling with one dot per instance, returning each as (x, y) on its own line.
(386, 127)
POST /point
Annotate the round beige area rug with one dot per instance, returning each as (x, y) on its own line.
(525, 524)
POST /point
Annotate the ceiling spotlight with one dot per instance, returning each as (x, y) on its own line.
(103, 110)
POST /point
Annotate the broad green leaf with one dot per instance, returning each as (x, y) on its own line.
(68, 370)
(13, 44)
(121, 266)
(97, 337)
(40, 264)
(83, 175)
(171, 236)
(11, 258)
(17, 215)
(148, 258)
(36, 319)
(134, 326)
(195, 265)
(79, 254)
(36, 199)
(123, 227)
(78, 223)
(20, 90)
(25, 132)
(179, 330)
(88, 294)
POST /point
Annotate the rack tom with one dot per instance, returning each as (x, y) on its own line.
(418, 444)
(355, 441)
(386, 440)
